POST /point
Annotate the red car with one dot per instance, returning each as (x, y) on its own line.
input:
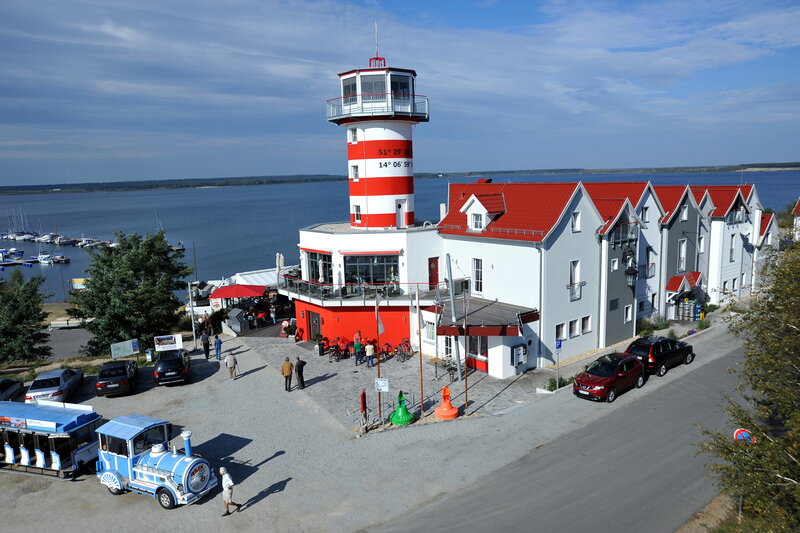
(608, 376)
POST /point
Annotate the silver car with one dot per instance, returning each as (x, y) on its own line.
(10, 388)
(56, 385)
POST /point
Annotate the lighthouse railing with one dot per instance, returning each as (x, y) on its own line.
(367, 105)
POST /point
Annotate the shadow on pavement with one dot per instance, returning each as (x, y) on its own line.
(276, 487)
(319, 379)
(243, 374)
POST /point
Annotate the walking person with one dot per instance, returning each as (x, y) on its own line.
(357, 350)
(298, 369)
(273, 312)
(370, 351)
(231, 363)
(227, 491)
(218, 346)
(286, 370)
(206, 345)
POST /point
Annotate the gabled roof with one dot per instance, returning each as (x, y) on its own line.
(632, 190)
(722, 196)
(766, 219)
(670, 197)
(610, 211)
(492, 203)
(531, 212)
(796, 208)
(684, 282)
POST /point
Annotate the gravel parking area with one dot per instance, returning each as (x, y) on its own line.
(297, 464)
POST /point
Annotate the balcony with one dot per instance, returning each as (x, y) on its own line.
(575, 290)
(359, 294)
(647, 270)
(377, 105)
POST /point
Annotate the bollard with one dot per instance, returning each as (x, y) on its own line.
(401, 416)
(445, 411)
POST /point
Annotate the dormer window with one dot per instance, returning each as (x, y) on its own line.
(477, 221)
(575, 221)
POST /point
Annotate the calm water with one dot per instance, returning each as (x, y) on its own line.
(236, 229)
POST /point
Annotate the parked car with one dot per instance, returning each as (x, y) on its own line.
(10, 388)
(58, 385)
(171, 366)
(116, 377)
(657, 354)
(607, 376)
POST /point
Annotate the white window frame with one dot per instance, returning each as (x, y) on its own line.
(430, 332)
(628, 313)
(354, 172)
(448, 346)
(614, 264)
(560, 331)
(653, 301)
(682, 247)
(732, 253)
(701, 244)
(356, 212)
(573, 328)
(477, 274)
(353, 135)
(575, 222)
(477, 221)
(645, 214)
(586, 324)
(734, 282)
(684, 212)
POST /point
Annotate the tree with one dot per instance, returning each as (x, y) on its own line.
(130, 291)
(766, 473)
(22, 319)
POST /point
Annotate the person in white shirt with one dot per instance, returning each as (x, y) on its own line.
(227, 491)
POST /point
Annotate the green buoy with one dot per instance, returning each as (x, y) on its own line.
(401, 416)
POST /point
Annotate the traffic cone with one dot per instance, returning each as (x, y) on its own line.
(401, 416)
(445, 411)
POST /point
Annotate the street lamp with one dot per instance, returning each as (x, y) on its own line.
(631, 272)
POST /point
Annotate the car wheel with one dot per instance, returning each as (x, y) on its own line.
(611, 396)
(662, 369)
(165, 499)
(689, 358)
(640, 381)
(115, 492)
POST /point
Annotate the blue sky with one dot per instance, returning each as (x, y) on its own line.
(105, 90)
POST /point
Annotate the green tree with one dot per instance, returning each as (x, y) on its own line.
(130, 291)
(767, 473)
(22, 319)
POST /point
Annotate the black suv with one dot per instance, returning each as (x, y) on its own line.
(659, 353)
(171, 366)
(116, 377)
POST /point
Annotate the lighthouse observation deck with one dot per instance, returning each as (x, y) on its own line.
(378, 106)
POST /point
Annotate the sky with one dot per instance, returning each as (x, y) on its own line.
(109, 90)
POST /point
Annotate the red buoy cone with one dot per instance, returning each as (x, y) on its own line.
(445, 411)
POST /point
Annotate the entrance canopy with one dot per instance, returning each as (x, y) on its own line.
(239, 291)
(485, 318)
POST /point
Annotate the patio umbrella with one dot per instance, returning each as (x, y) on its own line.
(239, 291)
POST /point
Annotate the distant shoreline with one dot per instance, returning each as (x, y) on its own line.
(210, 183)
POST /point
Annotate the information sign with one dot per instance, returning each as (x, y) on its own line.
(558, 344)
(168, 342)
(381, 384)
(121, 349)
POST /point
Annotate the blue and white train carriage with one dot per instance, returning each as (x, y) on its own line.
(134, 456)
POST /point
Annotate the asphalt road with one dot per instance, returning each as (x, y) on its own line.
(633, 470)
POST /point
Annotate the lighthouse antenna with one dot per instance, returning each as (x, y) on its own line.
(377, 61)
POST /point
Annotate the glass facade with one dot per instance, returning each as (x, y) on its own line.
(313, 260)
(349, 90)
(371, 269)
(401, 87)
(373, 87)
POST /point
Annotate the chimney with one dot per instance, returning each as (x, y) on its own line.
(187, 443)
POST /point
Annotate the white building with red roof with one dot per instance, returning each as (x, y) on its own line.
(796, 214)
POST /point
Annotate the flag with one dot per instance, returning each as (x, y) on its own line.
(377, 315)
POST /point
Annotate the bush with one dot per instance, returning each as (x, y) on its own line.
(644, 327)
(562, 382)
(710, 308)
(704, 323)
(671, 334)
(659, 322)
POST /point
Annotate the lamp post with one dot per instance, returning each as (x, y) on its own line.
(631, 273)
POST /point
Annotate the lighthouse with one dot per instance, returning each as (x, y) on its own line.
(379, 108)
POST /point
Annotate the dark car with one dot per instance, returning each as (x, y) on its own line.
(657, 354)
(10, 388)
(116, 377)
(171, 366)
(608, 376)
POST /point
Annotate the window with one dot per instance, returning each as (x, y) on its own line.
(613, 305)
(640, 306)
(354, 172)
(479, 346)
(768, 239)
(377, 269)
(560, 332)
(701, 244)
(628, 313)
(430, 331)
(653, 301)
(573, 328)
(575, 222)
(650, 258)
(586, 324)
(401, 87)
(684, 212)
(315, 271)
(732, 250)
(477, 274)
(448, 346)
(614, 264)
(349, 91)
(724, 286)
(357, 213)
(733, 284)
(145, 440)
(353, 135)
(114, 445)
(373, 88)
(575, 282)
(681, 255)
(477, 221)
(645, 214)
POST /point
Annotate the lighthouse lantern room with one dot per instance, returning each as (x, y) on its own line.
(379, 107)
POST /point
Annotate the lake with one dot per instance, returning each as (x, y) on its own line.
(237, 229)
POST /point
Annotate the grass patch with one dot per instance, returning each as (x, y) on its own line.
(705, 323)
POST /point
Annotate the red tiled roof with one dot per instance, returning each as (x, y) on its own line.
(675, 282)
(722, 196)
(531, 209)
(670, 196)
(766, 218)
(632, 190)
(796, 208)
(609, 211)
(493, 203)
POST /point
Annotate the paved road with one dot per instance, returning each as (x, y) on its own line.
(633, 470)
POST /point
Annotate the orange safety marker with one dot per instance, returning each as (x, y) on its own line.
(445, 411)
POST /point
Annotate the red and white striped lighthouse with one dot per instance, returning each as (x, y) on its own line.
(379, 108)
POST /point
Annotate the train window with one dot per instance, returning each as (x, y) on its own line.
(143, 441)
(82, 437)
(114, 445)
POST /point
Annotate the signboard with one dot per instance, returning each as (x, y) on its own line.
(282, 332)
(121, 349)
(78, 283)
(168, 342)
(744, 436)
(216, 303)
(381, 384)
(41, 424)
(13, 422)
(558, 344)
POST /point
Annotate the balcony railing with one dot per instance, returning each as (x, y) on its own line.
(365, 105)
(647, 270)
(363, 293)
(575, 290)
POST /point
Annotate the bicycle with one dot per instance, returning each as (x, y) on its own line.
(403, 352)
(385, 351)
(333, 351)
